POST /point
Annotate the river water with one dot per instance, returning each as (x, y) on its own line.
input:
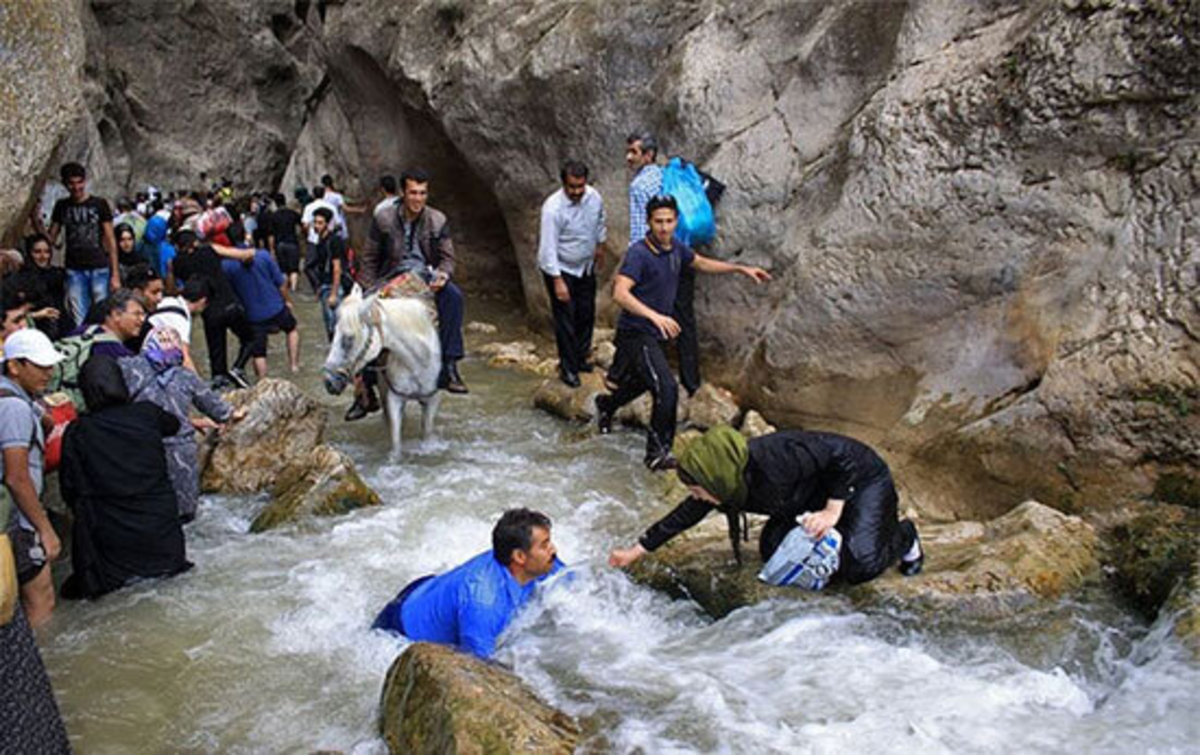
(264, 646)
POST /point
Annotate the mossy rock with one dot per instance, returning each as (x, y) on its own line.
(1152, 553)
(323, 483)
(1179, 489)
(437, 700)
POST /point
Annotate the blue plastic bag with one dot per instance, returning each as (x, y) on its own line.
(697, 224)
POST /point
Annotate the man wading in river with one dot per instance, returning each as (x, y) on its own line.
(471, 605)
(645, 290)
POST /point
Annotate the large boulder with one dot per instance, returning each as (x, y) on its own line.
(322, 483)
(978, 569)
(437, 700)
(979, 216)
(712, 406)
(41, 98)
(575, 404)
(282, 426)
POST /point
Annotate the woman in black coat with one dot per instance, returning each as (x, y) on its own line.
(114, 479)
(816, 480)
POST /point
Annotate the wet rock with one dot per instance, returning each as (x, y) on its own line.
(323, 483)
(712, 406)
(436, 700)
(546, 367)
(1184, 606)
(637, 412)
(282, 425)
(979, 569)
(520, 354)
(603, 353)
(480, 327)
(754, 425)
(575, 404)
(1152, 553)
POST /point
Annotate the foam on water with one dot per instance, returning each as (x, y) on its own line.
(265, 646)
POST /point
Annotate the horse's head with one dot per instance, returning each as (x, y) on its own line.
(356, 340)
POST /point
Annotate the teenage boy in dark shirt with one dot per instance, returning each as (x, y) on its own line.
(328, 268)
(645, 290)
(91, 259)
(283, 241)
(224, 311)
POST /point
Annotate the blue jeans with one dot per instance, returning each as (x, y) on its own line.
(85, 288)
(328, 313)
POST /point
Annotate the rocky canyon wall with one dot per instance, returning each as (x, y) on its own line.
(981, 217)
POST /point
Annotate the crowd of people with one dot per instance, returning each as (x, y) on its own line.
(112, 327)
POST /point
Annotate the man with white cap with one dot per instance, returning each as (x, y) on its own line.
(29, 360)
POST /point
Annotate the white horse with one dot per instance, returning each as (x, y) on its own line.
(403, 326)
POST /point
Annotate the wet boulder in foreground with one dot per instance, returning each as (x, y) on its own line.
(977, 569)
(282, 425)
(574, 404)
(322, 483)
(437, 700)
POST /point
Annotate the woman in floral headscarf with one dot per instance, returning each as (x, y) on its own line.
(157, 375)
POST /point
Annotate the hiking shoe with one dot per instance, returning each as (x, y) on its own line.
(911, 567)
(568, 377)
(450, 380)
(660, 462)
(604, 414)
(356, 412)
(587, 367)
(238, 378)
(222, 383)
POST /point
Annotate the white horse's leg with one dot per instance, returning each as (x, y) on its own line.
(429, 409)
(395, 410)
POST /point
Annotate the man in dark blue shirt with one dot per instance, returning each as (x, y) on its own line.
(262, 288)
(470, 606)
(645, 290)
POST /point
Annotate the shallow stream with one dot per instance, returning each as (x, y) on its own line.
(264, 646)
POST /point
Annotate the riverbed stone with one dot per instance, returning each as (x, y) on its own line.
(979, 569)
(603, 354)
(754, 425)
(712, 405)
(437, 700)
(323, 483)
(575, 404)
(519, 354)
(1150, 554)
(282, 425)
(481, 328)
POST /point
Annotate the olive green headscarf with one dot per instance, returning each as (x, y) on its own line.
(717, 462)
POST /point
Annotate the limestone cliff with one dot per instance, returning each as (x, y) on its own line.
(981, 217)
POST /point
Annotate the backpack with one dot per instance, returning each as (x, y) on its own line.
(76, 350)
(697, 224)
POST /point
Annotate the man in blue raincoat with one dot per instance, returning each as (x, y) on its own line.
(470, 606)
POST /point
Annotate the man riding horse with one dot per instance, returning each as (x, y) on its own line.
(415, 239)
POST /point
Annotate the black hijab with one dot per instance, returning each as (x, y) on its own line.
(102, 384)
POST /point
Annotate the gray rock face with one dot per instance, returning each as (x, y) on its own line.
(174, 89)
(40, 97)
(980, 217)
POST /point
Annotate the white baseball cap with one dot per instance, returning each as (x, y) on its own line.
(33, 345)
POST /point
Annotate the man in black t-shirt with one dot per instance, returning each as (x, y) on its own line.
(91, 259)
(203, 263)
(328, 268)
(283, 241)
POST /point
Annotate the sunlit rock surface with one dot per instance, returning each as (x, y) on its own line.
(437, 700)
(978, 569)
(281, 427)
(325, 482)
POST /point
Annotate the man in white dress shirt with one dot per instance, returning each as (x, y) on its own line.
(570, 248)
